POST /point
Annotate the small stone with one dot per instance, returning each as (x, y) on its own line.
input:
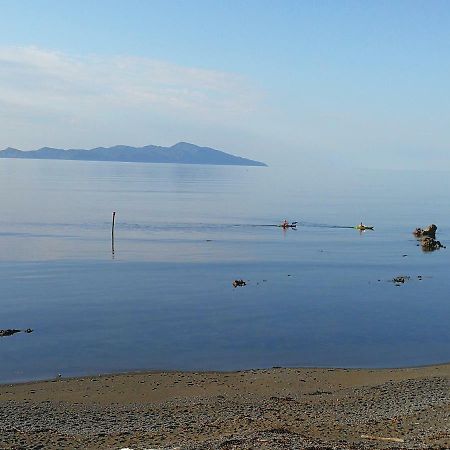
(400, 280)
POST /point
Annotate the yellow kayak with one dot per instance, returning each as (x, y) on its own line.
(363, 227)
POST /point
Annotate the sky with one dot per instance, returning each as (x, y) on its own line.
(355, 83)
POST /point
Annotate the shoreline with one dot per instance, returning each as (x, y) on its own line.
(218, 372)
(264, 408)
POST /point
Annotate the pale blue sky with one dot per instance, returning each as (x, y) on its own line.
(361, 83)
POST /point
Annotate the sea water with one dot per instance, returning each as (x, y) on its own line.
(162, 296)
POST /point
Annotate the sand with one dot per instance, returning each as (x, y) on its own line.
(257, 409)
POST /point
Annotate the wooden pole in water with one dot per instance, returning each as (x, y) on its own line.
(112, 231)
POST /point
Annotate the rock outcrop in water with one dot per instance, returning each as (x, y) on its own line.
(11, 331)
(401, 279)
(429, 244)
(429, 231)
(427, 238)
(8, 332)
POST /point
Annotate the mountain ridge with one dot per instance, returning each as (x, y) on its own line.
(181, 153)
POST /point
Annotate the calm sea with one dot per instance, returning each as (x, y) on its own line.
(319, 295)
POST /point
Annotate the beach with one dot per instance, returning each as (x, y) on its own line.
(270, 409)
(224, 225)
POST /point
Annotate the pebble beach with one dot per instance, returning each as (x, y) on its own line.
(278, 408)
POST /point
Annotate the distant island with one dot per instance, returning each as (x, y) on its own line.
(181, 153)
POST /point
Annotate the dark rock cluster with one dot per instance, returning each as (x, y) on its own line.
(400, 279)
(8, 332)
(429, 244)
(429, 231)
(427, 238)
(11, 331)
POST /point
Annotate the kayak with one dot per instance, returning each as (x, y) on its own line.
(291, 225)
(288, 225)
(363, 227)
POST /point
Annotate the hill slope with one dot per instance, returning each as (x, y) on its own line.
(181, 153)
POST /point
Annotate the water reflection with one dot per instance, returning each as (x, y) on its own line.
(312, 296)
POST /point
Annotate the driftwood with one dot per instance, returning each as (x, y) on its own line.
(378, 438)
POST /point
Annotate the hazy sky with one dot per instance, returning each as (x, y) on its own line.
(352, 82)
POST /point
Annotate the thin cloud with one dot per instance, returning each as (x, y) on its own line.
(48, 82)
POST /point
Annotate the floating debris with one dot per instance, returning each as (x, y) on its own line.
(11, 331)
(237, 283)
(401, 279)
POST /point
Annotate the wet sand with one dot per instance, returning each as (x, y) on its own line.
(257, 409)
